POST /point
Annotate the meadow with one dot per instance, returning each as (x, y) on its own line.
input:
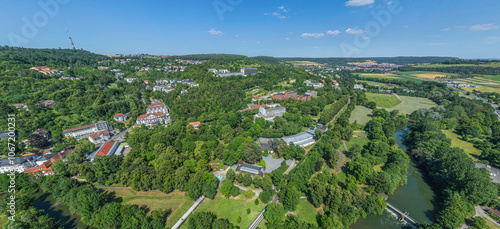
(383, 100)
(466, 146)
(361, 115)
(411, 104)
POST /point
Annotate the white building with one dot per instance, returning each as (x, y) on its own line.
(19, 164)
(157, 106)
(120, 117)
(100, 137)
(151, 118)
(85, 131)
(271, 113)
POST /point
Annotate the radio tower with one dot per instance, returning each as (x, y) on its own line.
(73, 45)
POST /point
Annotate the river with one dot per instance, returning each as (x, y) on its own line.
(414, 198)
(59, 212)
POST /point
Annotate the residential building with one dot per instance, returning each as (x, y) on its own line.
(249, 71)
(130, 80)
(102, 68)
(194, 124)
(359, 87)
(292, 95)
(120, 117)
(18, 164)
(100, 137)
(20, 106)
(46, 70)
(45, 133)
(45, 167)
(157, 106)
(47, 103)
(271, 113)
(86, 130)
(151, 118)
(311, 93)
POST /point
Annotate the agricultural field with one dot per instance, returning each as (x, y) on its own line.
(361, 115)
(306, 212)
(485, 84)
(466, 146)
(383, 100)
(411, 104)
(231, 208)
(492, 65)
(416, 76)
(373, 83)
(176, 201)
(296, 63)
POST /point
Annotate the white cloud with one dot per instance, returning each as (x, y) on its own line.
(281, 7)
(406, 27)
(237, 36)
(444, 30)
(215, 32)
(315, 35)
(354, 31)
(359, 2)
(388, 3)
(491, 40)
(288, 38)
(333, 32)
(484, 27)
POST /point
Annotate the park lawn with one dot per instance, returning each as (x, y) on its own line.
(176, 201)
(361, 141)
(383, 100)
(466, 146)
(232, 208)
(361, 115)
(491, 224)
(307, 212)
(411, 104)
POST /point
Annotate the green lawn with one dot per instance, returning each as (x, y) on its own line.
(307, 212)
(361, 141)
(231, 209)
(411, 104)
(361, 115)
(3, 220)
(466, 146)
(176, 201)
(383, 100)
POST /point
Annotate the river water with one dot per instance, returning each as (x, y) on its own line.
(414, 198)
(59, 212)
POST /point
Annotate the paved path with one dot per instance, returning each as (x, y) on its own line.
(290, 167)
(480, 212)
(188, 213)
(256, 191)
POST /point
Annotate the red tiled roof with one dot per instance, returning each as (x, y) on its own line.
(78, 128)
(194, 123)
(105, 149)
(118, 115)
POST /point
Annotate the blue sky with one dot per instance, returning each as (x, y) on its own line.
(286, 28)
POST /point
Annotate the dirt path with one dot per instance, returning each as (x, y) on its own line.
(342, 161)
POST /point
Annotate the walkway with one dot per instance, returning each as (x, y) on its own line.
(480, 212)
(403, 215)
(188, 213)
(256, 191)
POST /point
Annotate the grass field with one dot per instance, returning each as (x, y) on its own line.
(416, 76)
(307, 212)
(492, 64)
(361, 141)
(466, 146)
(176, 201)
(361, 115)
(3, 220)
(411, 104)
(381, 76)
(383, 100)
(231, 209)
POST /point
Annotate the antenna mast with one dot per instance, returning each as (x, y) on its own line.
(73, 45)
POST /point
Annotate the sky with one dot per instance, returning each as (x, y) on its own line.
(279, 28)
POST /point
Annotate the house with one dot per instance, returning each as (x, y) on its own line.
(120, 117)
(100, 137)
(248, 71)
(103, 68)
(157, 106)
(20, 106)
(46, 103)
(311, 93)
(130, 80)
(271, 113)
(107, 149)
(119, 74)
(46, 70)
(321, 127)
(86, 130)
(146, 81)
(194, 124)
(183, 91)
(250, 168)
(359, 87)
(18, 164)
(151, 118)
(45, 133)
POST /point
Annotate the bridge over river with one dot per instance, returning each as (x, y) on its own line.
(403, 215)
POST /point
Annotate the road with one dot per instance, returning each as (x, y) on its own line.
(259, 218)
(119, 137)
(188, 212)
(480, 212)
